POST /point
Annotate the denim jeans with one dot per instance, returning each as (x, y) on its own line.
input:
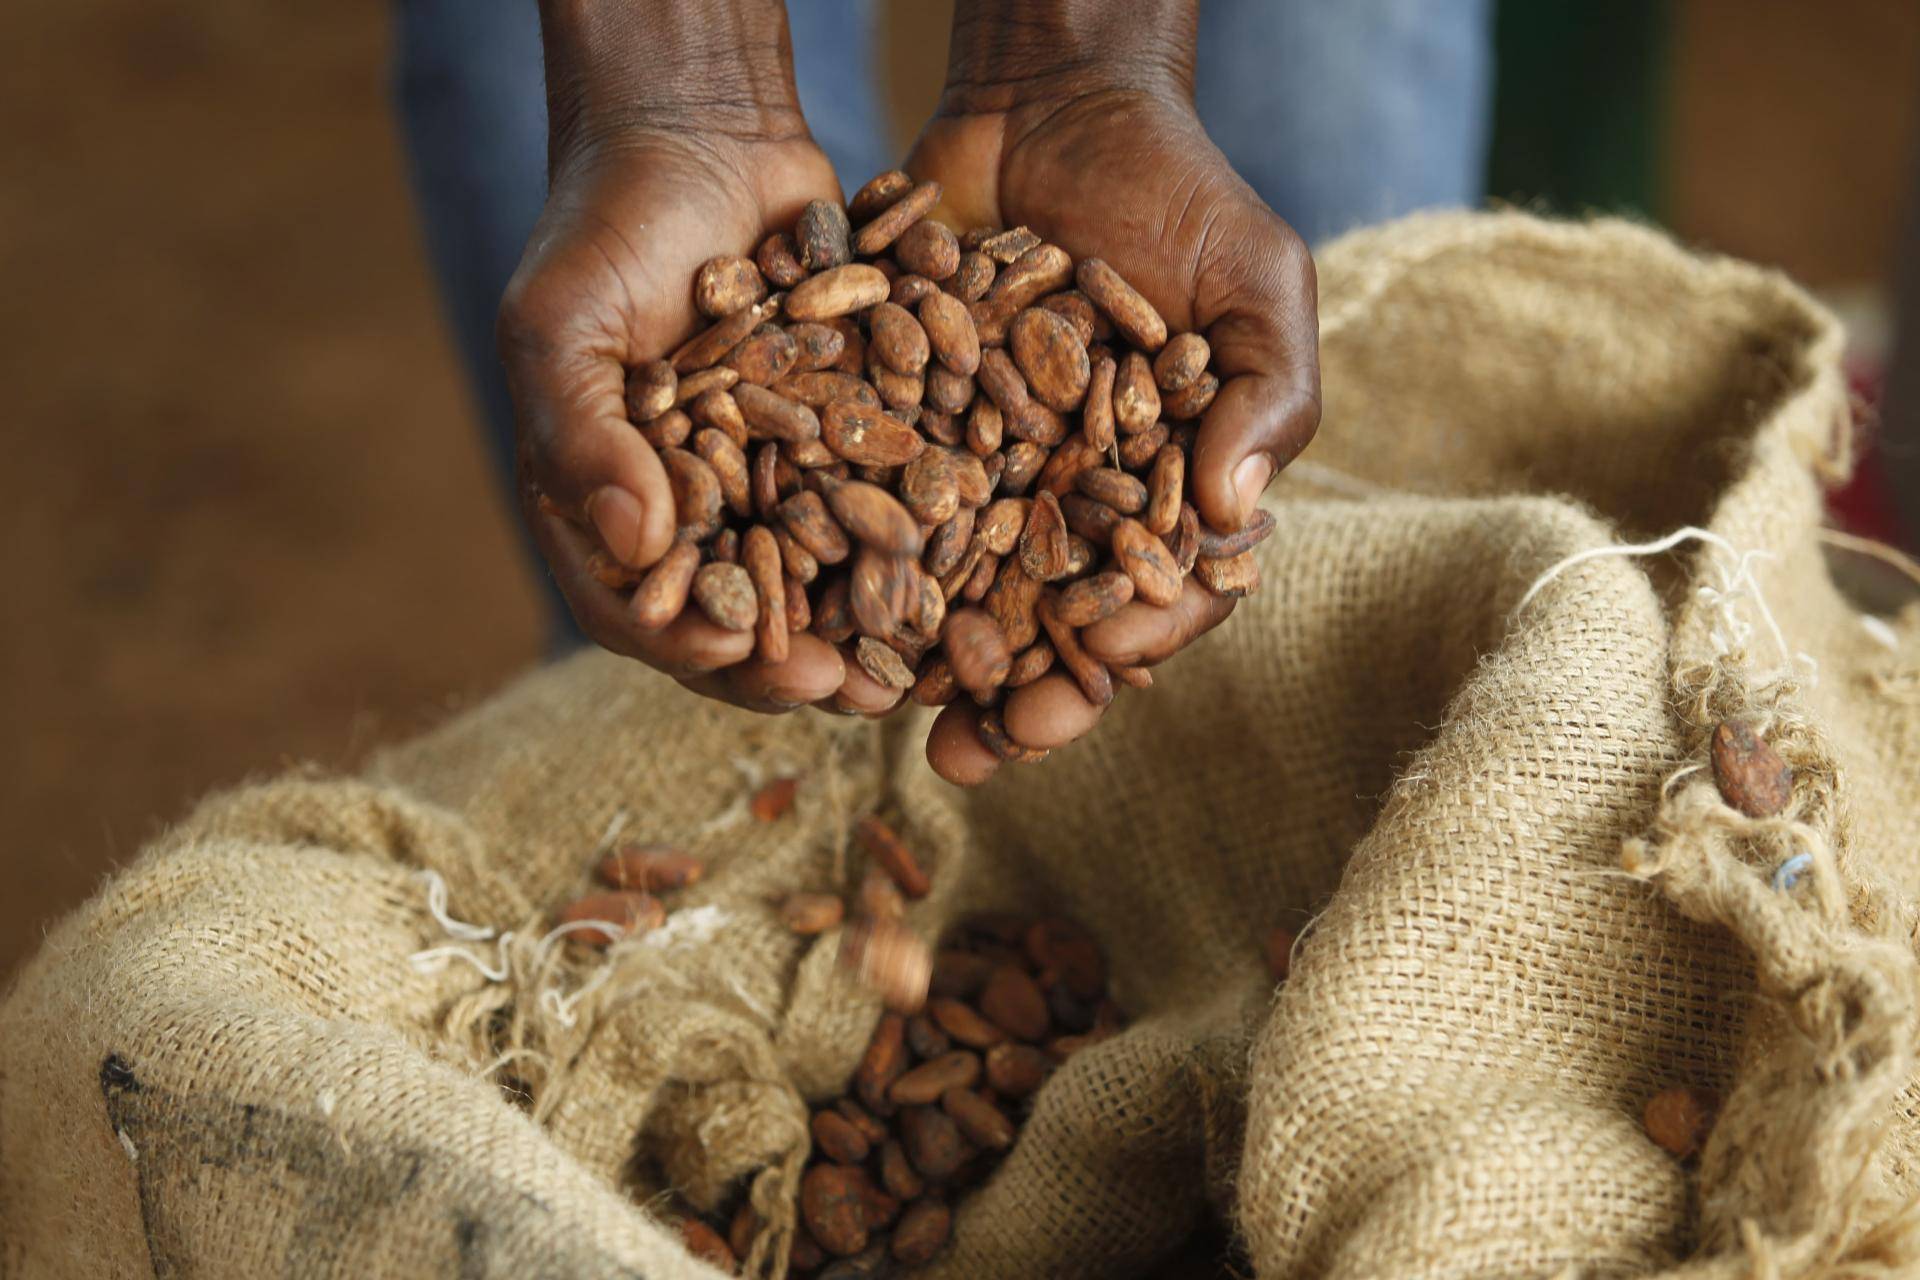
(1338, 112)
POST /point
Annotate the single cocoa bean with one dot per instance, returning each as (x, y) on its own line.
(1231, 578)
(1680, 1119)
(708, 347)
(1751, 775)
(694, 385)
(772, 801)
(1224, 546)
(833, 620)
(1083, 603)
(835, 1137)
(901, 392)
(974, 276)
(935, 686)
(764, 357)
(771, 416)
(872, 515)
(1043, 542)
(929, 249)
(729, 465)
(1131, 313)
(760, 554)
(1096, 419)
(779, 261)
(985, 427)
(1073, 307)
(1002, 383)
(1095, 681)
(1006, 247)
(950, 394)
(706, 1244)
(839, 291)
(897, 1173)
(822, 387)
(882, 663)
(1033, 662)
(815, 346)
(890, 959)
(923, 1085)
(650, 868)
(1015, 1003)
(822, 235)
(650, 390)
(1041, 270)
(1017, 1070)
(976, 650)
(1114, 487)
(663, 592)
(1064, 466)
(1145, 559)
(1137, 452)
(724, 593)
(796, 559)
(717, 410)
(1181, 361)
(799, 610)
(933, 1142)
(1051, 358)
(1091, 520)
(949, 333)
(812, 525)
(884, 845)
(1165, 489)
(879, 192)
(868, 437)
(964, 1023)
(615, 915)
(884, 1061)
(668, 431)
(889, 223)
(834, 1209)
(909, 289)
(1136, 401)
(922, 1232)
(727, 284)
(979, 1121)
(1013, 602)
(885, 592)
(897, 338)
(811, 913)
(1192, 400)
(948, 542)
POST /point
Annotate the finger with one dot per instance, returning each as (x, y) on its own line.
(564, 347)
(1050, 712)
(954, 748)
(1143, 633)
(688, 646)
(862, 695)
(813, 670)
(1261, 321)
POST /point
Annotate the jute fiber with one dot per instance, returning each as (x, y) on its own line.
(321, 1028)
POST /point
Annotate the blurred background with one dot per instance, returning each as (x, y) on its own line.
(251, 510)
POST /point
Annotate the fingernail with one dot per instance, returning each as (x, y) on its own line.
(1250, 481)
(615, 514)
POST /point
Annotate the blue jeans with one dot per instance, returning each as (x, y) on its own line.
(1339, 112)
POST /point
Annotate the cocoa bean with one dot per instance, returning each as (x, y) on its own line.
(663, 592)
(1136, 401)
(882, 663)
(1017, 1070)
(985, 427)
(1043, 542)
(822, 235)
(1751, 775)
(1091, 520)
(840, 291)
(948, 541)
(811, 913)
(1145, 559)
(822, 387)
(764, 357)
(760, 554)
(900, 391)
(872, 515)
(964, 1023)
(1002, 383)
(922, 1232)
(928, 249)
(835, 1137)
(815, 346)
(799, 610)
(885, 593)
(619, 914)
(650, 390)
(990, 318)
(909, 289)
(1013, 602)
(1039, 424)
(884, 845)
(729, 466)
(1181, 361)
(727, 284)
(923, 1085)
(1131, 313)
(976, 486)
(976, 650)
(933, 1142)
(1185, 543)
(1165, 488)
(669, 430)
(1095, 681)
(1033, 662)
(1063, 467)
(868, 437)
(772, 801)
(650, 868)
(696, 493)
(1115, 488)
(926, 1039)
(1191, 400)
(1013, 1002)
(973, 277)
(724, 593)
(949, 332)
(717, 410)
(812, 525)
(1137, 452)
(1231, 578)
(890, 959)
(888, 225)
(708, 347)
(979, 1121)
(880, 192)
(764, 479)
(993, 734)
(798, 562)
(1001, 522)
(1224, 546)
(883, 1062)
(771, 416)
(897, 1173)
(1097, 415)
(779, 261)
(1051, 357)
(897, 338)
(833, 620)
(694, 385)
(935, 686)
(1680, 1119)
(950, 394)
(1005, 247)
(834, 1209)
(1073, 307)
(706, 1244)
(1083, 603)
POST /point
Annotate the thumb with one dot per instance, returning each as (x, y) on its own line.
(563, 344)
(1264, 334)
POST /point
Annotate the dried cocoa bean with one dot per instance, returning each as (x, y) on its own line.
(873, 516)
(1145, 559)
(1041, 270)
(1005, 247)
(1191, 400)
(821, 235)
(1137, 452)
(764, 357)
(650, 390)
(882, 663)
(779, 261)
(1012, 1001)
(835, 1137)
(1131, 313)
(922, 1233)
(1136, 401)
(724, 593)
(1043, 542)
(761, 557)
(727, 284)
(976, 650)
(663, 592)
(813, 526)
(771, 416)
(868, 437)
(1115, 488)
(774, 799)
(1681, 1119)
(880, 192)
(1033, 662)
(650, 868)
(933, 1142)
(964, 1023)
(923, 1085)
(888, 225)
(704, 1243)
(979, 1121)
(890, 959)
(928, 249)
(1181, 361)
(840, 291)
(909, 289)
(1231, 578)
(973, 277)
(884, 1061)
(618, 914)
(884, 845)
(1017, 1070)
(669, 430)
(1083, 603)
(1095, 681)
(1751, 775)
(897, 1173)
(834, 1209)
(708, 347)
(1073, 307)
(811, 913)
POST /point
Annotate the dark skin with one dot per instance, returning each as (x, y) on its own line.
(698, 148)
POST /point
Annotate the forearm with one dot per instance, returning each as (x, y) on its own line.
(709, 66)
(1006, 53)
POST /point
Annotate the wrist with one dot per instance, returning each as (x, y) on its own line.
(621, 68)
(1009, 54)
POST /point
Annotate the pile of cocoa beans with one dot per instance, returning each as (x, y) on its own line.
(945, 454)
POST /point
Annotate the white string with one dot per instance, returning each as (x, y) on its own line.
(434, 958)
(437, 907)
(1881, 630)
(1731, 632)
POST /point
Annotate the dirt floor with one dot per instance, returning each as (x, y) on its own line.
(250, 523)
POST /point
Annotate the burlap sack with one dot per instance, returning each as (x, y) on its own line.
(1465, 761)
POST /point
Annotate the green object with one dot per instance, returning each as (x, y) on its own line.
(1579, 105)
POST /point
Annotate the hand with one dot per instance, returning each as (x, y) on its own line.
(636, 206)
(1128, 175)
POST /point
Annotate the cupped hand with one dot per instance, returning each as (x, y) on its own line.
(1131, 177)
(605, 285)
